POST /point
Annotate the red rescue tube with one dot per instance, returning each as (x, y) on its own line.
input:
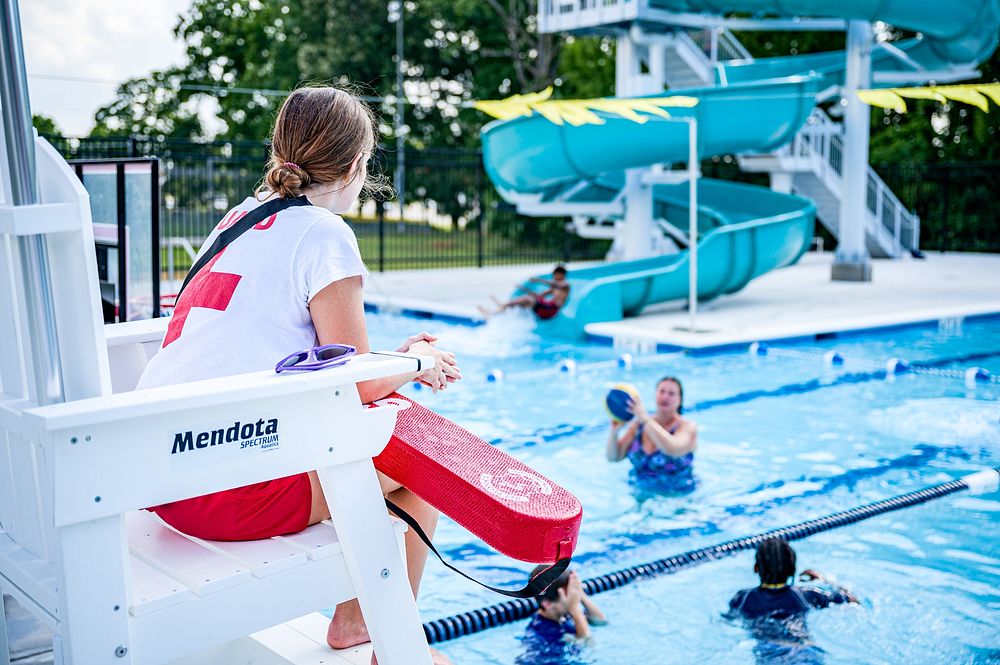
(511, 507)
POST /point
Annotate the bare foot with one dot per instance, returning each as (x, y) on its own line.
(437, 658)
(347, 629)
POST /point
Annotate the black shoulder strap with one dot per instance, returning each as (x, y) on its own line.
(248, 221)
(535, 586)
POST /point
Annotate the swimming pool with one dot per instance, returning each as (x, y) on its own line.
(783, 437)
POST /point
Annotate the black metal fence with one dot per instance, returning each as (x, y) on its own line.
(452, 216)
(957, 202)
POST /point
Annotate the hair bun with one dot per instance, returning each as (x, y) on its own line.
(286, 179)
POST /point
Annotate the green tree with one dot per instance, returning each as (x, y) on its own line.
(155, 106)
(586, 68)
(45, 125)
(241, 45)
(245, 54)
(939, 132)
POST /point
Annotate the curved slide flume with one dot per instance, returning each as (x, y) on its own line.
(957, 31)
(746, 230)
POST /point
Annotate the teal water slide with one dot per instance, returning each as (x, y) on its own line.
(744, 231)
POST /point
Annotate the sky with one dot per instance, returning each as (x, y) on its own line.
(105, 41)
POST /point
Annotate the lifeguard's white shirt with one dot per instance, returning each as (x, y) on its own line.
(248, 307)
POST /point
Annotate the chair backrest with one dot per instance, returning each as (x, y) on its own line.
(63, 220)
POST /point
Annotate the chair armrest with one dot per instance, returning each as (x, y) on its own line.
(135, 332)
(112, 454)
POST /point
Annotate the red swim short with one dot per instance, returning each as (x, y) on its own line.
(262, 510)
(545, 309)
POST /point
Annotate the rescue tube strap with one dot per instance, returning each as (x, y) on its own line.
(535, 586)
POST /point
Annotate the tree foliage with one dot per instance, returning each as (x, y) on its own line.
(939, 132)
(44, 125)
(151, 107)
(244, 55)
(586, 68)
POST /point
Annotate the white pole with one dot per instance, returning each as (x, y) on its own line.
(851, 262)
(46, 363)
(395, 11)
(692, 222)
(635, 237)
(400, 118)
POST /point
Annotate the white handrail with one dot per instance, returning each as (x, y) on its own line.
(821, 141)
(718, 44)
(733, 47)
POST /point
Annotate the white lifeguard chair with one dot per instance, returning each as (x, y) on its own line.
(81, 453)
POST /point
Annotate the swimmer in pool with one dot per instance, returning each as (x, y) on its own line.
(660, 445)
(565, 615)
(775, 611)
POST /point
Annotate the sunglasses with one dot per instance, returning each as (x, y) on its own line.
(318, 357)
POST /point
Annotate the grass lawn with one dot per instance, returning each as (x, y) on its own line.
(433, 249)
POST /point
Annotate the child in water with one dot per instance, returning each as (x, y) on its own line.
(775, 610)
(564, 617)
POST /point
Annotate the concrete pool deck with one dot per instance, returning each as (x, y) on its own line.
(796, 302)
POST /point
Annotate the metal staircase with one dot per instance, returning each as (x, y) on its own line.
(692, 56)
(811, 166)
(694, 49)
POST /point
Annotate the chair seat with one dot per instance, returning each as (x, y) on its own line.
(185, 581)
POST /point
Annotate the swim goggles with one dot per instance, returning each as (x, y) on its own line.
(329, 355)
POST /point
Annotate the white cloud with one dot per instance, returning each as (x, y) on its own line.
(102, 39)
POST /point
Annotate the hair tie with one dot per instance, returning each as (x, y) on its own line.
(292, 164)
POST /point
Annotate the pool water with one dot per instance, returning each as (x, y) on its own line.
(783, 437)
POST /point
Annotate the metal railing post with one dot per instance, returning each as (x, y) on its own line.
(123, 251)
(899, 224)
(692, 223)
(45, 358)
(481, 230)
(380, 214)
(155, 233)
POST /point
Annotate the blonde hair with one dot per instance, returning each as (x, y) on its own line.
(318, 134)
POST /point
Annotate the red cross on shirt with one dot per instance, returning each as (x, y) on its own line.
(212, 290)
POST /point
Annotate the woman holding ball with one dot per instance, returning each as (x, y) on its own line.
(661, 444)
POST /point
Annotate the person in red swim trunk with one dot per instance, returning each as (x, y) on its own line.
(544, 304)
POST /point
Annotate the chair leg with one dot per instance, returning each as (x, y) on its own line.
(374, 563)
(4, 642)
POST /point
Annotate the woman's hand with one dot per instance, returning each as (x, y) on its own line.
(445, 369)
(635, 407)
(413, 339)
(809, 574)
